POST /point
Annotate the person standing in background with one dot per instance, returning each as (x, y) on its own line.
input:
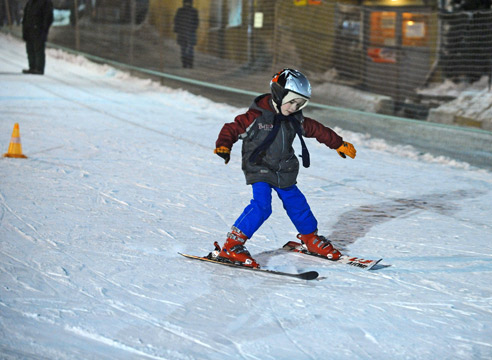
(185, 25)
(36, 22)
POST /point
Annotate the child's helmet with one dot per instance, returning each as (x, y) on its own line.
(289, 80)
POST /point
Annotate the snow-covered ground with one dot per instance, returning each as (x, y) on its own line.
(121, 176)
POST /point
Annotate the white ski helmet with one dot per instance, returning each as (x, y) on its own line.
(289, 80)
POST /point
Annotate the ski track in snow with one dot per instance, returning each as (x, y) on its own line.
(121, 176)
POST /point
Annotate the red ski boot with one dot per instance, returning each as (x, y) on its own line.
(234, 250)
(319, 245)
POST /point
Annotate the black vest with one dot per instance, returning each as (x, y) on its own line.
(278, 164)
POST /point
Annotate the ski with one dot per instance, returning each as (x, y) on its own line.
(308, 275)
(344, 259)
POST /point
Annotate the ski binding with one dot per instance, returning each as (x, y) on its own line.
(213, 258)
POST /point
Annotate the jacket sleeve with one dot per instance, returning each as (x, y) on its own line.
(196, 20)
(48, 17)
(325, 135)
(231, 132)
(177, 22)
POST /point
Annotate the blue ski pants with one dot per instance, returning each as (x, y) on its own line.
(260, 209)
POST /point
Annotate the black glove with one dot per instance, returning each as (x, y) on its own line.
(224, 153)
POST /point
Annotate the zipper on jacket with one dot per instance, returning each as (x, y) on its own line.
(283, 150)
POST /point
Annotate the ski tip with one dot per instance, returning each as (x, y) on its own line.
(309, 275)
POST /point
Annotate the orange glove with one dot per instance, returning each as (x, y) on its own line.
(224, 153)
(346, 149)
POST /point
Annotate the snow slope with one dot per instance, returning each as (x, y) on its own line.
(121, 176)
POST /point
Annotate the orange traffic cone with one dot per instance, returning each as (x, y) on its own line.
(15, 147)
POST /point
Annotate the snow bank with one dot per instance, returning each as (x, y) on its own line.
(349, 97)
(472, 106)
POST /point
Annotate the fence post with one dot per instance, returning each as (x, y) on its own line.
(76, 20)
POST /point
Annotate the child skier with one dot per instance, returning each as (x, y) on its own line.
(268, 130)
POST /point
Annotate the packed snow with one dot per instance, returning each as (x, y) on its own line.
(473, 102)
(121, 176)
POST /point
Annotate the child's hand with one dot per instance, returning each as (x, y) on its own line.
(224, 153)
(346, 149)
